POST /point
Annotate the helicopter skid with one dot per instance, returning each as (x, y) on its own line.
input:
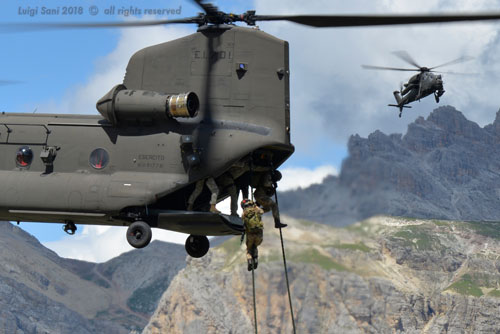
(200, 223)
(395, 105)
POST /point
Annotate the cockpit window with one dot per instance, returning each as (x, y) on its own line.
(24, 156)
(99, 158)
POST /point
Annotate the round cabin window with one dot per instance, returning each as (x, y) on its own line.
(24, 156)
(99, 158)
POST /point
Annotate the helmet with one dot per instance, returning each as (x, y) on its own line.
(276, 175)
(246, 203)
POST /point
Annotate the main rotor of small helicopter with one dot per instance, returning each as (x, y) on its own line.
(211, 15)
(403, 55)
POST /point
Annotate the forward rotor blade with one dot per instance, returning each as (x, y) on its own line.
(320, 21)
(18, 27)
(456, 61)
(403, 55)
(8, 82)
(370, 67)
(324, 21)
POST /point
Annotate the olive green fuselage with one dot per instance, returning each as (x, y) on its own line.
(241, 77)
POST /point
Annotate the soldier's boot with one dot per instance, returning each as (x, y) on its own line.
(255, 262)
(213, 209)
(279, 224)
(190, 207)
(250, 264)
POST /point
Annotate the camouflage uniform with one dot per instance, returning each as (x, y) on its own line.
(226, 181)
(212, 186)
(263, 192)
(254, 228)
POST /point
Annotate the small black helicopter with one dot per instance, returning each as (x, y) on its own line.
(420, 85)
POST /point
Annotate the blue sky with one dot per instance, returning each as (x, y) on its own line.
(332, 97)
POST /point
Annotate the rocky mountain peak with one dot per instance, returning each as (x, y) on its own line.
(495, 126)
(382, 275)
(445, 166)
(41, 292)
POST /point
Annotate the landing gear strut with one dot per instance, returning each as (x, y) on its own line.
(139, 234)
(197, 245)
(69, 228)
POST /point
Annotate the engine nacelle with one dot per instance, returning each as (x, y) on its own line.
(122, 104)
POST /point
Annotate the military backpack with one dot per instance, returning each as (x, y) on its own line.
(253, 220)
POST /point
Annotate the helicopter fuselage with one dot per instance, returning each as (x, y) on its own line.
(420, 86)
(137, 163)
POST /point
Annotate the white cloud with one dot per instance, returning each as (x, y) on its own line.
(102, 243)
(299, 177)
(332, 96)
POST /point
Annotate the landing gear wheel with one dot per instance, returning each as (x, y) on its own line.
(139, 234)
(197, 245)
(69, 228)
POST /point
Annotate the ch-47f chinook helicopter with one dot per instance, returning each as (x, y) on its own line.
(420, 85)
(187, 110)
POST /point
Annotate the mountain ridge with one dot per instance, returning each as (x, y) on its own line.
(41, 292)
(381, 275)
(444, 167)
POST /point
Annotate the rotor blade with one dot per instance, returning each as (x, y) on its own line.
(17, 27)
(456, 73)
(456, 61)
(370, 67)
(208, 8)
(9, 82)
(324, 21)
(403, 55)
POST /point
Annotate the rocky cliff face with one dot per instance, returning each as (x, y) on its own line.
(444, 167)
(383, 275)
(43, 293)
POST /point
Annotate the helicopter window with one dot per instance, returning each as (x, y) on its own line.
(99, 158)
(24, 156)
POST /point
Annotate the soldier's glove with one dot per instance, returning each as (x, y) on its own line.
(269, 192)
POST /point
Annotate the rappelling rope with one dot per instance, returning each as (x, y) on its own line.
(254, 302)
(253, 270)
(284, 263)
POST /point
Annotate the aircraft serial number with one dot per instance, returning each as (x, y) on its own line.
(152, 157)
(149, 165)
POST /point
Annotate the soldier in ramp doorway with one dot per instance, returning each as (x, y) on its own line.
(264, 189)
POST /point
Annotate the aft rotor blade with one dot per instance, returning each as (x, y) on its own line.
(16, 27)
(456, 61)
(208, 8)
(325, 21)
(370, 67)
(406, 57)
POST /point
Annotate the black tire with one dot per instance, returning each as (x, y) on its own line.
(139, 234)
(197, 245)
